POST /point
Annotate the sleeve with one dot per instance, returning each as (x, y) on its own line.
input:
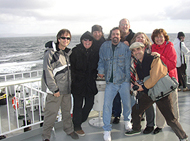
(48, 73)
(184, 49)
(158, 70)
(169, 57)
(127, 64)
(101, 61)
(73, 63)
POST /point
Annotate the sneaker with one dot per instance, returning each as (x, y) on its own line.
(128, 125)
(157, 130)
(132, 132)
(80, 132)
(74, 135)
(107, 136)
(148, 130)
(186, 89)
(116, 120)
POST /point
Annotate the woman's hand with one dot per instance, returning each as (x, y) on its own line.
(155, 54)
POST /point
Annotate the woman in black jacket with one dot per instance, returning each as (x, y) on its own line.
(84, 63)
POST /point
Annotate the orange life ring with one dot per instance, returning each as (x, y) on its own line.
(15, 102)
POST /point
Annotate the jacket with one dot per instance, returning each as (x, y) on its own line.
(168, 56)
(153, 67)
(120, 61)
(84, 63)
(180, 52)
(56, 70)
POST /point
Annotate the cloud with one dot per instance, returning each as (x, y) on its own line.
(180, 11)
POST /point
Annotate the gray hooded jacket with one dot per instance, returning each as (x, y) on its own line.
(56, 70)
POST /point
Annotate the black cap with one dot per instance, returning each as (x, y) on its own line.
(96, 28)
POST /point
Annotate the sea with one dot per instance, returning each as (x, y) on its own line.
(20, 54)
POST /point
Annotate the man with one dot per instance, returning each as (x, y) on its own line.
(181, 50)
(126, 36)
(98, 36)
(114, 64)
(127, 33)
(151, 66)
(56, 76)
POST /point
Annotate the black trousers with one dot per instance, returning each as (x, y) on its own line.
(165, 107)
(82, 106)
(181, 71)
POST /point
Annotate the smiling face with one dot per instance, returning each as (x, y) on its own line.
(97, 35)
(159, 40)
(138, 53)
(64, 40)
(87, 43)
(115, 36)
(141, 38)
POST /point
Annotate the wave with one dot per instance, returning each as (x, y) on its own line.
(16, 55)
(18, 67)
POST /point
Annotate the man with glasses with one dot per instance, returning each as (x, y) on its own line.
(57, 79)
(126, 36)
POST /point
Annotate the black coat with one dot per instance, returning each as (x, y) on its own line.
(84, 63)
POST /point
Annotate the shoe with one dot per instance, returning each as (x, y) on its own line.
(128, 125)
(80, 132)
(116, 120)
(107, 136)
(186, 89)
(186, 139)
(46, 140)
(157, 130)
(74, 135)
(148, 130)
(179, 89)
(132, 132)
(2, 137)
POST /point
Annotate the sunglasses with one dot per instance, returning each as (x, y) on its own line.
(68, 38)
(87, 39)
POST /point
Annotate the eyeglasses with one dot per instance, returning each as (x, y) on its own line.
(87, 39)
(68, 38)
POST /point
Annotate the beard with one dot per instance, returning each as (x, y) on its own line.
(115, 40)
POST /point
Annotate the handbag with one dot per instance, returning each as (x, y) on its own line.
(162, 88)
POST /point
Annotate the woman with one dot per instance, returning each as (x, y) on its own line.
(164, 49)
(143, 38)
(84, 63)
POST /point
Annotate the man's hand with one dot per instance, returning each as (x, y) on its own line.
(140, 86)
(126, 42)
(56, 94)
(101, 75)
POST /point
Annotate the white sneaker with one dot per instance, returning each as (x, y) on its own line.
(128, 125)
(107, 136)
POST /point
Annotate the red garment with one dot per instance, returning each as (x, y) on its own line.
(168, 56)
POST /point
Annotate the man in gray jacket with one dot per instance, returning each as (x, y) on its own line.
(57, 78)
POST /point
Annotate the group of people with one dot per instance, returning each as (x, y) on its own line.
(122, 59)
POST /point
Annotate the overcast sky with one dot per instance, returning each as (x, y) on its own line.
(49, 16)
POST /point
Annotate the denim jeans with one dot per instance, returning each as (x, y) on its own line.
(110, 93)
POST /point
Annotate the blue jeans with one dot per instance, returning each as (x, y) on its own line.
(110, 93)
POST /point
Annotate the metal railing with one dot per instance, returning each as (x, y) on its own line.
(188, 68)
(26, 105)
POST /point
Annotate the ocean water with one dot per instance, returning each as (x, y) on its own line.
(26, 53)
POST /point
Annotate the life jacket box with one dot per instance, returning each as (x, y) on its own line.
(3, 99)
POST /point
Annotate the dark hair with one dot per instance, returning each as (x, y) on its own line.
(157, 32)
(115, 28)
(61, 32)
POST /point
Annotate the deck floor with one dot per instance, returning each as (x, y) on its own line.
(117, 133)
